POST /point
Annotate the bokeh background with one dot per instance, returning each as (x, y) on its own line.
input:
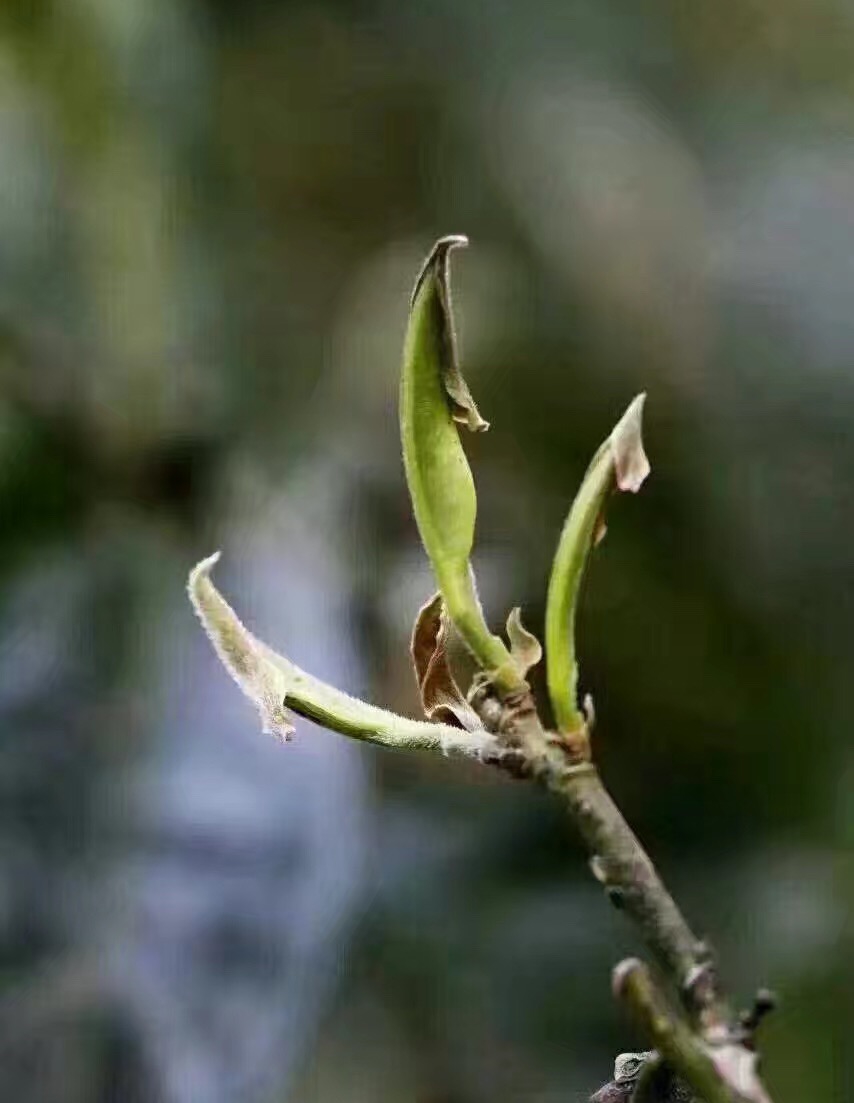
(211, 215)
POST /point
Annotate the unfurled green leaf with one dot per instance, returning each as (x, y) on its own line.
(274, 684)
(433, 399)
(441, 697)
(620, 463)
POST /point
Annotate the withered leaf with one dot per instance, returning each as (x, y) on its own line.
(440, 695)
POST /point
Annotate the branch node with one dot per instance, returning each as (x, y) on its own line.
(718, 1073)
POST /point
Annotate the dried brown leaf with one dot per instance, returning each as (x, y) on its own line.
(440, 695)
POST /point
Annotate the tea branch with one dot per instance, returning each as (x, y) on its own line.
(497, 723)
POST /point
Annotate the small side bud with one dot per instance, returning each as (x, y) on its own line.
(525, 649)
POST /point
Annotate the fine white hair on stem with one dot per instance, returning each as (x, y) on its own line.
(274, 684)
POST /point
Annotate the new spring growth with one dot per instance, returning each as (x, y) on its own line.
(619, 464)
(498, 722)
(434, 401)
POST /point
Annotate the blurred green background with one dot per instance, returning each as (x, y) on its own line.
(211, 215)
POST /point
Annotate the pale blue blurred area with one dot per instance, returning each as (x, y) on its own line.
(250, 859)
(210, 217)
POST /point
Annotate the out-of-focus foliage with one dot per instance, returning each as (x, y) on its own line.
(210, 216)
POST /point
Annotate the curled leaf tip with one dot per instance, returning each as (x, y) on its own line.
(437, 258)
(525, 649)
(201, 571)
(436, 270)
(241, 654)
(631, 466)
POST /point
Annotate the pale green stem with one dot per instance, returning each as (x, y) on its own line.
(275, 684)
(576, 541)
(621, 464)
